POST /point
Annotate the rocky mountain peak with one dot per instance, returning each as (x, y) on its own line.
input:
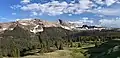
(33, 25)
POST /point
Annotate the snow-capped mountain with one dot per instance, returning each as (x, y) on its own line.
(33, 25)
(36, 25)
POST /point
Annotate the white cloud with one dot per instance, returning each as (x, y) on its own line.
(24, 19)
(115, 23)
(83, 21)
(34, 13)
(85, 18)
(17, 19)
(118, 2)
(110, 22)
(99, 2)
(69, 14)
(86, 21)
(13, 13)
(15, 6)
(110, 2)
(110, 11)
(85, 4)
(31, 7)
(25, 1)
(114, 11)
(101, 15)
(106, 2)
(57, 8)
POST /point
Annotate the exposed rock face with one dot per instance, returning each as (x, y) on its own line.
(36, 29)
(60, 21)
(36, 25)
(33, 25)
(66, 25)
(7, 26)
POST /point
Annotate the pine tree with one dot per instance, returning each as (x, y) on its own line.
(71, 44)
(56, 44)
(0, 49)
(43, 47)
(0, 52)
(61, 46)
(47, 44)
(40, 40)
(14, 50)
(79, 44)
(1, 55)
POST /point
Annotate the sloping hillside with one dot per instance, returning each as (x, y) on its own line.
(110, 49)
(24, 40)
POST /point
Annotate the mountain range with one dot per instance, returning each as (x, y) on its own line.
(34, 25)
(37, 25)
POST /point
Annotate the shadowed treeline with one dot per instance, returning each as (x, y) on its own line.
(110, 49)
(20, 42)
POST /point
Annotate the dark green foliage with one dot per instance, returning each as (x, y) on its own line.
(79, 45)
(97, 44)
(110, 49)
(18, 32)
(61, 46)
(47, 45)
(71, 44)
(14, 50)
(56, 44)
(55, 33)
(19, 40)
(23, 39)
(1, 56)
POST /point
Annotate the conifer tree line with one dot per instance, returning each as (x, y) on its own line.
(18, 44)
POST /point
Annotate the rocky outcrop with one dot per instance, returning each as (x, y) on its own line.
(33, 25)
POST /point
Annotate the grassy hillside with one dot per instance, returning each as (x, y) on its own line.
(110, 49)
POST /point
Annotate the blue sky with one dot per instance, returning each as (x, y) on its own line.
(99, 11)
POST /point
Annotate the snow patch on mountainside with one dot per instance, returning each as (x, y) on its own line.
(36, 29)
(24, 24)
(11, 29)
(65, 27)
(36, 25)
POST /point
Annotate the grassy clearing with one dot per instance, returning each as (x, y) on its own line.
(74, 52)
(56, 54)
(80, 52)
